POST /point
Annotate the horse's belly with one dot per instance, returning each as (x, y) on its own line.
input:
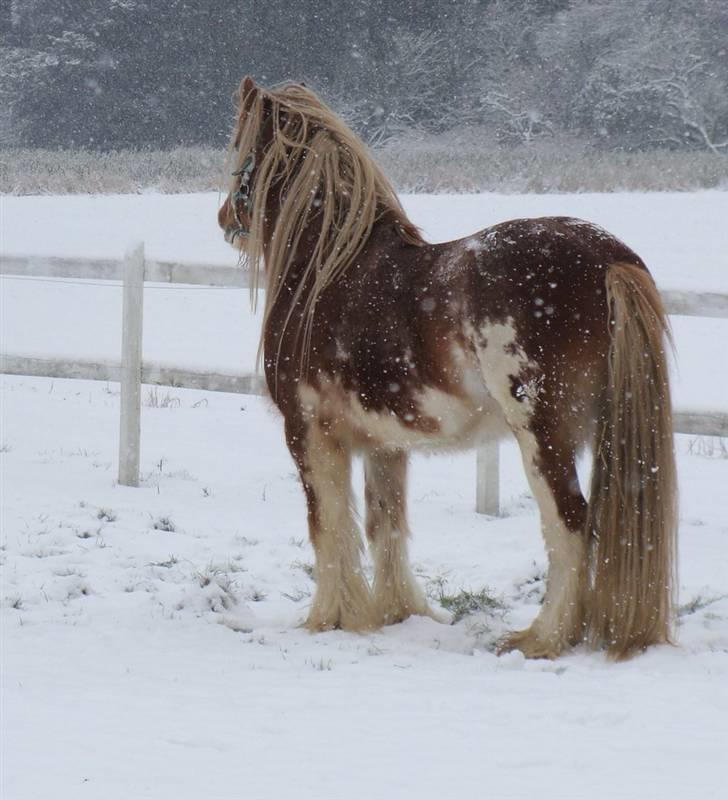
(414, 416)
(437, 421)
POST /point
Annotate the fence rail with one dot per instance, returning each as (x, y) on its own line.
(131, 373)
(677, 301)
(106, 269)
(693, 422)
(153, 374)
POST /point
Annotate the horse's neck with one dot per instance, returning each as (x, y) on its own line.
(296, 280)
(292, 273)
(382, 236)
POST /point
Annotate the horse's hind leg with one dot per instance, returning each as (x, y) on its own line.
(533, 402)
(342, 598)
(396, 592)
(551, 470)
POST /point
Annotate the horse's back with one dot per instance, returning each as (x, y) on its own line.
(523, 255)
(544, 276)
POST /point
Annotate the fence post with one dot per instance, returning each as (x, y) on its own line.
(131, 365)
(487, 489)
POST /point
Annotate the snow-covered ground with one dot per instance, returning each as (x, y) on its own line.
(150, 646)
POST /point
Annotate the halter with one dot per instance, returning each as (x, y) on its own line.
(242, 194)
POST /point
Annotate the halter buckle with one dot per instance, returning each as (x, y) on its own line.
(242, 194)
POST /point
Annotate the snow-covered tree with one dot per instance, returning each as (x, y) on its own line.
(623, 74)
(639, 73)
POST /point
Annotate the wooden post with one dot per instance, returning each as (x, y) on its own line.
(487, 489)
(131, 365)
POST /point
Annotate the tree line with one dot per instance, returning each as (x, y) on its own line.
(628, 75)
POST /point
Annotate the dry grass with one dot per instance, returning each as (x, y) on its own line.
(157, 399)
(468, 162)
(708, 447)
(184, 169)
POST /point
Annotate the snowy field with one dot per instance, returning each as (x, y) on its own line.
(150, 646)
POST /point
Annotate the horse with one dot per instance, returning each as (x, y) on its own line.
(375, 342)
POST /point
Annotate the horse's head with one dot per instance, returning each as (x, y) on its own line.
(234, 216)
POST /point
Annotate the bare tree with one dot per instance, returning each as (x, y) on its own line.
(635, 73)
(511, 94)
(407, 91)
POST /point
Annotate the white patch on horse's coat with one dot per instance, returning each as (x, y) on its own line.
(462, 420)
(503, 360)
(459, 420)
(470, 375)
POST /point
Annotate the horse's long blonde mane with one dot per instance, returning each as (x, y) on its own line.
(324, 175)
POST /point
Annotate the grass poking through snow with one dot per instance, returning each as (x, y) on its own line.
(465, 602)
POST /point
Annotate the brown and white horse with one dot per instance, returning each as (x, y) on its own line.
(376, 342)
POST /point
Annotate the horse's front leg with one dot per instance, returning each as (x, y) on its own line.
(342, 598)
(397, 594)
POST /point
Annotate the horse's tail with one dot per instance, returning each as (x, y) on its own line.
(632, 513)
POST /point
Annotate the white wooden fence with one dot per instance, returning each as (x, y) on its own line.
(134, 270)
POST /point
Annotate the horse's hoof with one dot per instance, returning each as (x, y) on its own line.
(530, 644)
(340, 621)
(439, 615)
(393, 617)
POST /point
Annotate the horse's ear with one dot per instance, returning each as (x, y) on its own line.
(247, 91)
